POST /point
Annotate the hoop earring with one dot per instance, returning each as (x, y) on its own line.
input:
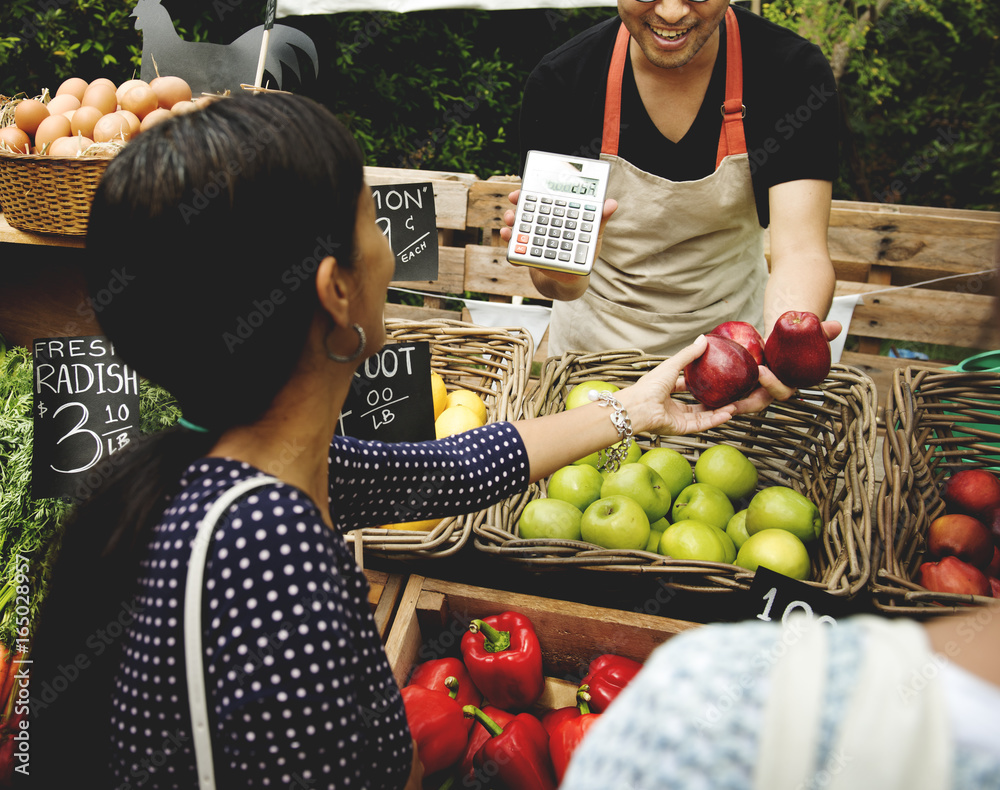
(362, 341)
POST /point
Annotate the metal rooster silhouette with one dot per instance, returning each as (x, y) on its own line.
(215, 68)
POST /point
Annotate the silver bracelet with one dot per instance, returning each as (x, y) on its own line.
(616, 454)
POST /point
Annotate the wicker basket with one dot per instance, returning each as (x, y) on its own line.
(494, 362)
(936, 421)
(49, 194)
(821, 444)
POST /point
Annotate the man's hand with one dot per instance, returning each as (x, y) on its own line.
(561, 286)
(771, 389)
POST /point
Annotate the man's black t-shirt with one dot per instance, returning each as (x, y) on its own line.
(788, 90)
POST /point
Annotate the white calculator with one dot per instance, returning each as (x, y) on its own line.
(559, 212)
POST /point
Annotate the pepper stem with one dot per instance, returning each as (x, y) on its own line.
(495, 641)
(583, 699)
(451, 683)
(472, 712)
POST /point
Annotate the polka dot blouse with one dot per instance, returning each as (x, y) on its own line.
(300, 692)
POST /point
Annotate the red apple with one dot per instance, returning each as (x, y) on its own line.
(962, 536)
(995, 586)
(724, 373)
(746, 335)
(951, 575)
(991, 518)
(971, 491)
(797, 351)
(993, 569)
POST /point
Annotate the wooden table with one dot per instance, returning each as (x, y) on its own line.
(42, 292)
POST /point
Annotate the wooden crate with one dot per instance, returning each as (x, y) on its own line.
(433, 615)
(385, 590)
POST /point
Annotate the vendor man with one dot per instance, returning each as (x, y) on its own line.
(718, 124)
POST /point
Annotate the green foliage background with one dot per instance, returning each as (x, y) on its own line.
(440, 90)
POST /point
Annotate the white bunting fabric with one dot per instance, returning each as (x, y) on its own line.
(306, 7)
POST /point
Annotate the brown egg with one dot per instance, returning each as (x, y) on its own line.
(28, 114)
(125, 86)
(183, 106)
(84, 119)
(52, 128)
(14, 138)
(112, 127)
(170, 90)
(156, 116)
(100, 96)
(70, 146)
(134, 122)
(74, 86)
(65, 103)
(105, 81)
(141, 100)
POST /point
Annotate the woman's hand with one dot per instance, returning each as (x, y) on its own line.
(652, 409)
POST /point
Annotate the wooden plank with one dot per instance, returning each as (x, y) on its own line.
(420, 313)
(924, 316)
(451, 190)
(488, 201)
(926, 220)
(488, 271)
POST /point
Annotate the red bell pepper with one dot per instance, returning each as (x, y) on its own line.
(477, 737)
(551, 719)
(565, 738)
(437, 724)
(504, 658)
(517, 754)
(435, 674)
(606, 676)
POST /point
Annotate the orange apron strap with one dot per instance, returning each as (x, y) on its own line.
(613, 97)
(732, 139)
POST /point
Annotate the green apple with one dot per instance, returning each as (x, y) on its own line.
(737, 528)
(673, 467)
(580, 394)
(653, 544)
(615, 522)
(778, 550)
(703, 502)
(641, 483)
(660, 524)
(632, 455)
(728, 469)
(549, 518)
(696, 540)
(781, 507)
(577, 484)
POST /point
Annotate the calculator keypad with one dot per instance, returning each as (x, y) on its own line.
(555, 229)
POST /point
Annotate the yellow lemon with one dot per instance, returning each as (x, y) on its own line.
(456, 419)
(416, 526)
(471, 401)
(440, 393)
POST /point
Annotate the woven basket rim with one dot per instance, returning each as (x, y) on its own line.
(493, 530)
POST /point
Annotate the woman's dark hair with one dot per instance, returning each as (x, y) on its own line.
(211, 226)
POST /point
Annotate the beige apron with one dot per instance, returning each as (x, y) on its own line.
(678, 257)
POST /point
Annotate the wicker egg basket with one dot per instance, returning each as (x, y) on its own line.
(821, 443)
(936, 422)
(49, 194)
(493, 362)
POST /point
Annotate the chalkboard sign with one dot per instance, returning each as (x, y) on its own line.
(775, 597)
(406, 214)
(86, 409)
(391, 398)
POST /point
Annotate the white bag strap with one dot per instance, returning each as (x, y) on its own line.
(197, 697)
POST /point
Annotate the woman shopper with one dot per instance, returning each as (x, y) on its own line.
(207, 216)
